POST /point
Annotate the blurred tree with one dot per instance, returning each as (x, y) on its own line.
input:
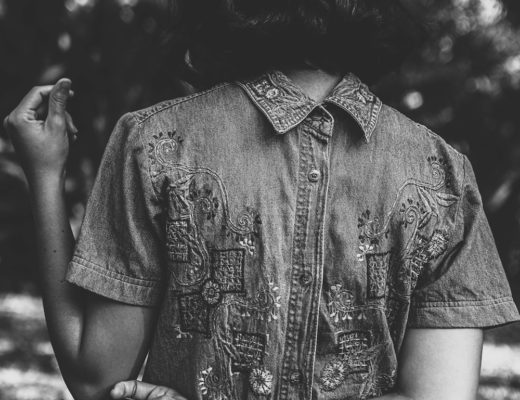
(464, 84)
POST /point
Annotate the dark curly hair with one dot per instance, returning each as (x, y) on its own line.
(221, 40)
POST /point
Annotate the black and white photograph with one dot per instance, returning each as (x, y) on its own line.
(260, 200)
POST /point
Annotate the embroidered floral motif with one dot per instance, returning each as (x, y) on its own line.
(264, 306)
(340, 303)
(261, 381)
(180, 334)
(251, 221)
(438, 244)
(211, 386)
(200, 193)
(211, 293)
(364, 249)
(355, 357)
(248, 350)
(165, 147)
(333, 375)
(423, 252)
(421, 213)
(370, 234)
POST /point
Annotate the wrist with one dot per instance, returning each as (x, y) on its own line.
(46, 181)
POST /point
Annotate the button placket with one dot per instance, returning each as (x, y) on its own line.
(314, 293)
(303, 301)
(290, 386)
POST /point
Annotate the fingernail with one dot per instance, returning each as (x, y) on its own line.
(65, 85)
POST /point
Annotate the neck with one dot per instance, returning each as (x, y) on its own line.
(315, 83)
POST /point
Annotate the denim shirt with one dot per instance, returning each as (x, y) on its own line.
(287, 244)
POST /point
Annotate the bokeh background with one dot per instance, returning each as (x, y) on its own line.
(464, 84)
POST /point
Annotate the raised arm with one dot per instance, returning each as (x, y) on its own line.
(97, 341)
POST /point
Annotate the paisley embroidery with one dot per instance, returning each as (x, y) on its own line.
(248, 240)
(205, 199)
(165, 147)
(198, 201)
(425, 241)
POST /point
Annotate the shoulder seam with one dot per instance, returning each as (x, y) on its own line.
(172, 103)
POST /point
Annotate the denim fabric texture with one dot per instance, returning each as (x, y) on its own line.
(287, 244)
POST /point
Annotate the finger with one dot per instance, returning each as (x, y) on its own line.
(42, 109)
(58, 103)
(6, 122)
(34, 98)
(138, 390)
(70, 124)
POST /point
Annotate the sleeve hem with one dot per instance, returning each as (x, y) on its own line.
(115, 286)
(464, 314)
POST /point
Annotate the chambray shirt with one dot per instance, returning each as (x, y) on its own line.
(287, 244)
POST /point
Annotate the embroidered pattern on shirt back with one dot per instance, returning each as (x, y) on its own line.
(394, 273)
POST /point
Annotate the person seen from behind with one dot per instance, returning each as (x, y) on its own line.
(279, 234)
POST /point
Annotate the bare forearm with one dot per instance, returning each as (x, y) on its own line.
(63, 304)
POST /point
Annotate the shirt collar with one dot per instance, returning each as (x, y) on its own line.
(285, 105)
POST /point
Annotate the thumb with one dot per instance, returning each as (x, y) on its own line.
(58, 103)
(138, 390)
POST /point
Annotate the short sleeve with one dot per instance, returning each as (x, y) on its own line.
(467, 287)
(118, 253)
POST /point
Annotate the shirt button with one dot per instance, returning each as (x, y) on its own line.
(306, 279)
(314, 175)
(295, 377)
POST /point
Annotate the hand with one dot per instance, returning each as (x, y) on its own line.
(137, 390)
(40, 127)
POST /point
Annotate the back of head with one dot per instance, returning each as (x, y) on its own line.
(220, 40)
